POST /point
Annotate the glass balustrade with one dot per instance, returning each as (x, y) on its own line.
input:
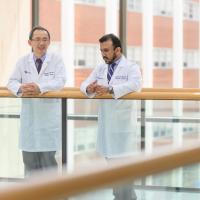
(152, 126)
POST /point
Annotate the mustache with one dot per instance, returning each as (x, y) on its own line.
(105, 57)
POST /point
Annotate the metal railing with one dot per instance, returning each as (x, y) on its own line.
(145, 94)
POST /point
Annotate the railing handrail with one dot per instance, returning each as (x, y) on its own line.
(145, 94)
(82, 181)
(97, 177)
(150, 89)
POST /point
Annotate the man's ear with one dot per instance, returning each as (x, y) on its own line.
(118, 50)
(29, 42)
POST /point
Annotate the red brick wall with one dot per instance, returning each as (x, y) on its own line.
(134, 29)
(89, 23)
(81, 75)
(162, 78)
(191, 35)
(90, 26)
(191, 78)
(50, 17)
(163, 37)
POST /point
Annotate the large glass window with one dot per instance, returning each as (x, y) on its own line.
(15, 20)
(135, 5)
(93, 2)
(162, 57)
(163, 7)
(191, 58)
(88, 24)
(87, 55)
(191, 10)
(134, 54)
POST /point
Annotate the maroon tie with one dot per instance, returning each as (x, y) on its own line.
(38, 64)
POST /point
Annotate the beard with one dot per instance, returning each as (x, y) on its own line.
(110, 61)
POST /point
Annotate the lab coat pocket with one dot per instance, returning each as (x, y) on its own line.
(101, 80)
(122, 78)
(27, 76)
(48, 75)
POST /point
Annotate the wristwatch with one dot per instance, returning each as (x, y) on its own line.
(110, 90)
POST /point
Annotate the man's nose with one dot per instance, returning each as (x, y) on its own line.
(42, 42)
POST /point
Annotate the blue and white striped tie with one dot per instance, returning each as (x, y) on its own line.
(111, 69)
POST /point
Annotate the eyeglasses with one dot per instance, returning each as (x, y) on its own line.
(38, 40)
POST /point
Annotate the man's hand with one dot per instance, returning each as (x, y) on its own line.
(30, 89)
(101, 90)
(92, 87)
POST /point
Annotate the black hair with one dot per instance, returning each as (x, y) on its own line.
(38, 28)
(115, 40)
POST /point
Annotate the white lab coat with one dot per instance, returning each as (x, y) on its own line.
(117, 118)
(40, 127)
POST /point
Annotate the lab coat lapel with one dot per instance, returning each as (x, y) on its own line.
(45, 63)
(32, 64)
(119, 67)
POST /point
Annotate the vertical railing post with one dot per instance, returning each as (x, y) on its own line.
(143, 124)
(64, 131)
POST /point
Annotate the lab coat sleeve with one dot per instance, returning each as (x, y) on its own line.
(91, 78)
(59, 80)
(133, 84)
(15, 80)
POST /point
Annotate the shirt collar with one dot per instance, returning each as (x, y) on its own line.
(42, 58)
(118, 60)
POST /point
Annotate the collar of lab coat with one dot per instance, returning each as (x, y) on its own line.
(122, 61)
(44, 65)
(122, 64)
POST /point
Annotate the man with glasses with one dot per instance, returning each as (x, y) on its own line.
(36, 73)
(117, 118)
